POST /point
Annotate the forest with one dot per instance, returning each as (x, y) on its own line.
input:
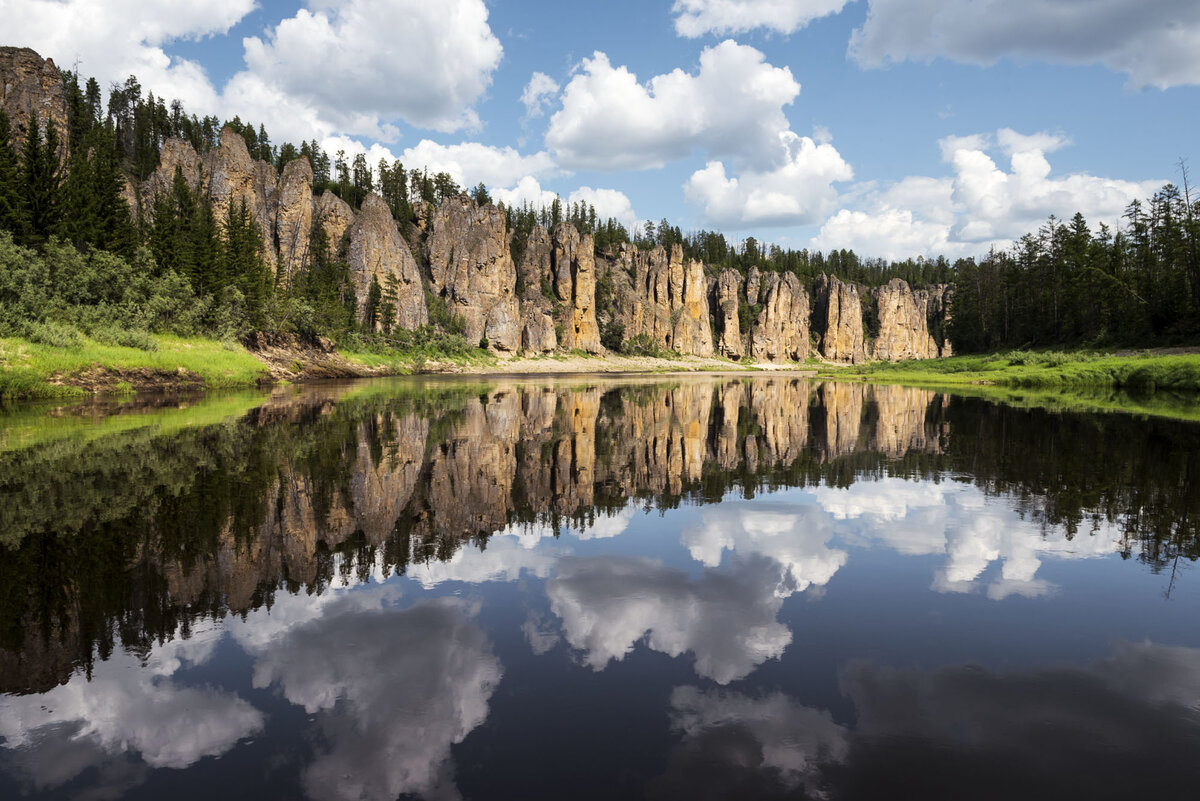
(75, 259)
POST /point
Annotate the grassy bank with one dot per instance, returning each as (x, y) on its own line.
(35, 370)
(1146, 372)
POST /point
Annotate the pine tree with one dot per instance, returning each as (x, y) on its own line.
(14, 212)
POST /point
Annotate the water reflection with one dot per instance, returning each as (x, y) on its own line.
(372, 586)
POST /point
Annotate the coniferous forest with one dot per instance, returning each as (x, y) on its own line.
(74, 257)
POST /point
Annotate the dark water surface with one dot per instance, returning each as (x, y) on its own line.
(676, 588)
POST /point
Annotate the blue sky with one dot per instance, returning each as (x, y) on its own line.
(895, 127)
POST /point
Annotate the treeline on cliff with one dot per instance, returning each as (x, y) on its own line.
(75, 257)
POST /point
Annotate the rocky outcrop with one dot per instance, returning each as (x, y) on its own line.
(233, 178)
(294, 218)
(780, 332)
(32, 86)
(903, 323)
(662, 296)
(175, 155)
(335, 216)
(728, 290)
(838, 321)
(940, 296)
(537, 309)
(573, 270)
(377, 252)
(470, 266)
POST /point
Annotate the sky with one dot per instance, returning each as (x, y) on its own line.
(896, 128)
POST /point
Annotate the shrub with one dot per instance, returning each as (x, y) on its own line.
(56, 335)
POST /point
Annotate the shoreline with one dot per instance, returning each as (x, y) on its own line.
(32, 371)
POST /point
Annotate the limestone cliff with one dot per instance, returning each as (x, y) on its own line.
(903, 323)
(233, 178)
(537, 309)
(294, 218)
(839, 321)
(175, 155)
(377, 252)
(728, 290)
(335, 216)
(470, 266)
(31, 85)
(781, 330)
(662, 296)
(573, 271)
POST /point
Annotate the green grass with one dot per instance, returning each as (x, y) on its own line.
(1141, 373)
(414, 360)
(32, 370)
(1159, 385)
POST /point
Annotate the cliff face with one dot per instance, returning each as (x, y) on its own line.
(838, 321)
(537, 310)
(729, 341)
(903, 323)
(663, 297)
(471, 267)
(294, 218)
(378, 252)
(31, 85)
(233, 178)
(781, 332)
(573, 268)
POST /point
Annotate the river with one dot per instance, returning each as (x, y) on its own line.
(657, 587)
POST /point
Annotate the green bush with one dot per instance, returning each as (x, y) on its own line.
(125, 337)
(56, 335)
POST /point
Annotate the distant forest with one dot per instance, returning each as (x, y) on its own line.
(73, 257)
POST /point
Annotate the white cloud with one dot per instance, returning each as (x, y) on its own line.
(1153, 41)
(112, 39)
(393, 691)
(981, 205)
(727, 618)
(792, 739)
(510, 553)
(537, 94)
(732, 107)
(794, 536)
(698, 17)
(609, 203)
(132, 705)
(527, 190)
(471, 162)
(799, 192)
(364, 62)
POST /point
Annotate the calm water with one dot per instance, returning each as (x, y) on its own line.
(687, 588)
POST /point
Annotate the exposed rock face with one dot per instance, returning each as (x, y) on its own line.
(31, 85)
(335, 216)
(940, 297)
(838, 321)
(692, 332)
(660, 296)
(294, 218)
(903, 323)
(471, 267)
(573, 267)
(378, 252)
(729, 342)
(233, 177)
(781, 331)
(537, 310)
(175, 154)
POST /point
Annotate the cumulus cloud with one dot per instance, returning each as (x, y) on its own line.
(382, 59)
(471, 162)
(730, 740)
(527, 190)
(537, 93)
(799, 192)
(698, 17)
(795, 537)
(393, 691)
(510, 554)
(1153, 41)
(609, 203)
(128, 707)
(726, 618)
(112, 39)
(335, 67)
(981, 205)
(731, 107)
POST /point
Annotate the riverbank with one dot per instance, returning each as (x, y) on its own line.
(1174, 370)
(38, 371)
